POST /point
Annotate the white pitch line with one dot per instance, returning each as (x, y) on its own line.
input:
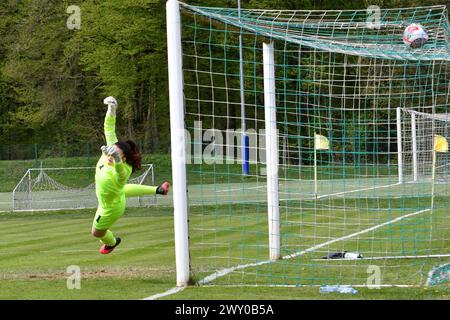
(322, 196)
(343, 192)
(354, 234)
(240, 189)
(365, 189)
(86, 250)
(390, 257)
(312, 285)
(167, 293)
(226, 271)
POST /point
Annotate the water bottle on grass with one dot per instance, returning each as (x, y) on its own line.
(338, 289)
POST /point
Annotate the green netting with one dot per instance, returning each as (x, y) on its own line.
(337, 78)
(345, 31)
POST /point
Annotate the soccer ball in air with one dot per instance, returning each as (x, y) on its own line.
(415, 36)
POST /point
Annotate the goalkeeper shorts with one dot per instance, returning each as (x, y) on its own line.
(106, 217)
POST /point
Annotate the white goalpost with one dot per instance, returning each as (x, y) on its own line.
(177, 130)
(416, 134)
(272, 151)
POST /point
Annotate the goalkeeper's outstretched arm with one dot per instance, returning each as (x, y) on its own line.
(110, 121)
(126, 154)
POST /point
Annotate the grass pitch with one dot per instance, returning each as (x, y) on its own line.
(37, 248)
(228, 228)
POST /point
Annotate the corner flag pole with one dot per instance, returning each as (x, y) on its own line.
(440, 144)
(433, 179)
(245, 140)
(315, 165)
(320, 143)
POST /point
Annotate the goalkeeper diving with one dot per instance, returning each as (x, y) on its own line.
(118, 161)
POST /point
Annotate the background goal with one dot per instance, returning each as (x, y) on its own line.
(69, 188)
(417, 133)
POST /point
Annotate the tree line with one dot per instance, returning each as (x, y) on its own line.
(53, 78)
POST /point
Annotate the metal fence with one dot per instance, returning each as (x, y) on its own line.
(36, 151)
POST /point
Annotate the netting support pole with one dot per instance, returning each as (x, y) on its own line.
(414, 145)
(245, 138)
(399, 145)
(177, 132)
(271, 151)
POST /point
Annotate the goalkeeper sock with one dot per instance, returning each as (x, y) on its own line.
(108, 239)
(138, 190)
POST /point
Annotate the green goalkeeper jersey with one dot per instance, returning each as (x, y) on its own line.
(110, 177)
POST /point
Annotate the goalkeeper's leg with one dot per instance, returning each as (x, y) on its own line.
(107, 238)
(101, 225)
(139, 190)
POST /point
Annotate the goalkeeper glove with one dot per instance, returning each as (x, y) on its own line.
(112, 105)
(163, 188)
(113, 152)
(110, 101)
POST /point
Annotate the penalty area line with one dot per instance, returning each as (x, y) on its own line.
(311, 286)
(224, 272)
(355, 234)
(344, 192)
(164, 294)
(429, 256)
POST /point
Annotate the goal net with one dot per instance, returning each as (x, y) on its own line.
(322, 202)
(417, 135)
(69, 188)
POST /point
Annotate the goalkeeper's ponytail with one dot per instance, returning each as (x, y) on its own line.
(132, 154)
